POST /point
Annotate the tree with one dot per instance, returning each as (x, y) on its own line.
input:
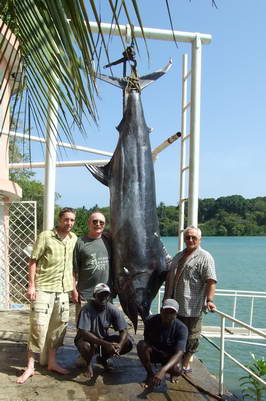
(32, 190)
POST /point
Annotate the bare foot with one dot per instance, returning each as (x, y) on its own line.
(174, 378)
(56, 368)
(175, 373)
(148, 384)
(89, 372)
(24, 377)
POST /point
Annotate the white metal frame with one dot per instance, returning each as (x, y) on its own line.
(224, 336)
(196, 40)
(223, 352)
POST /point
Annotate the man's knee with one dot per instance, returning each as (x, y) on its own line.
(84, 346)
(143, 347)
(127, 347)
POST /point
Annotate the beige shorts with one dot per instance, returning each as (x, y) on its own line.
(48, 320)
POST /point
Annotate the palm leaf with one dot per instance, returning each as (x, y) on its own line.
(55, 41)
(58, 50)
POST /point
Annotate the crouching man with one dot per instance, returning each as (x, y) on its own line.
(94, 320)
(165, 339)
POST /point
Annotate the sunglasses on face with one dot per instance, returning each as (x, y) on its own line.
(95, 222)
(193, 237)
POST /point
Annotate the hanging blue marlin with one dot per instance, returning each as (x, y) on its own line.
(138, 255)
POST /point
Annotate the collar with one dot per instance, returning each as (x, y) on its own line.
(56, 235)
(193, 254)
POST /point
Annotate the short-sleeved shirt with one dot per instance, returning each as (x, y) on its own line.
(91, 264)
(54, 258)
(191, 285)
(97, 322)
(168, 339)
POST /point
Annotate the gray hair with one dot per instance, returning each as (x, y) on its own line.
(193, 228)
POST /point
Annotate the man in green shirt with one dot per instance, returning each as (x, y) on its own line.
(50, 281)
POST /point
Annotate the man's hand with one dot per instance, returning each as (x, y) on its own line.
(211, 306)
(31, 293)
(112, 348)
(158, 377)
(75, 296)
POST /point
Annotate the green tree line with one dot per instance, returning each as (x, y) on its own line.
(225, 216)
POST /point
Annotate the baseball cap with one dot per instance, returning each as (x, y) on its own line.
(170, 304)
(101, 287)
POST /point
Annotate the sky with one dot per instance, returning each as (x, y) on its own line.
(233, 105)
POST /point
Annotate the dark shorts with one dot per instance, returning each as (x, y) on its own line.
(127, 347)
(194, 329)
(157, 357)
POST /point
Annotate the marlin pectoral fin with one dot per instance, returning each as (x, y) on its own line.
(120, 82)
(100, 173)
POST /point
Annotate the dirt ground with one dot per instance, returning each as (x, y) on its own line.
(122, 384)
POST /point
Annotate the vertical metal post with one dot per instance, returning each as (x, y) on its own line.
(234, 309)
(50, 165)
(221, 373)
(195, 132)
(183, 154)
(251, 314)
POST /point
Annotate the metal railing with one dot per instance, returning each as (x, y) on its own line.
(223, 352)
(236, 294)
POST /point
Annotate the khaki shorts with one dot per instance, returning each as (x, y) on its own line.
(48, 320)
(194, 329)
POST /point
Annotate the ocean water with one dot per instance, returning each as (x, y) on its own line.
(240, 264)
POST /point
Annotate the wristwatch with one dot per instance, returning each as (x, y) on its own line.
(209, 300)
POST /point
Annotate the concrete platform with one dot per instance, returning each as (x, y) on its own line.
(122, 384)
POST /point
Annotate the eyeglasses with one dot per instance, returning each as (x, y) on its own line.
(95, 222)
(193, 237)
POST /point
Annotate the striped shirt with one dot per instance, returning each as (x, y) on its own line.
(54, 261)
(191, 285)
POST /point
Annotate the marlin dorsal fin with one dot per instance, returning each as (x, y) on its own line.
(100, 173)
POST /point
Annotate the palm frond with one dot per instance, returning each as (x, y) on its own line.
(58, 52)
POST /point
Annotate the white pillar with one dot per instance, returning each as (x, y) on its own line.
(50, 167)
(195, 133)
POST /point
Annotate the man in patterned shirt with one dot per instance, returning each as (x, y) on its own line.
(50, 281)
(192, 282)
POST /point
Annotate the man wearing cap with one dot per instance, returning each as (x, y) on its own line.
(165, 339)
(91, 261)
(95, 318)
(192, 282)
